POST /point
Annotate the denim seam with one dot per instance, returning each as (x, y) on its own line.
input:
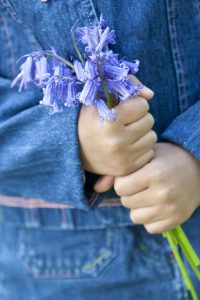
(10, 11)
(177, 59)
(90, 268)
(9, 45)
(86, 12)
(197, 5)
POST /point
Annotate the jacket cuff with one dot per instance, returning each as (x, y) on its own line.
(185, 130)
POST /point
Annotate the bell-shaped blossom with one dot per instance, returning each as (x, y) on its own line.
(80, 71)
(42, 70)
(105, 112)
(133, 88)
(120, 88)
(88, 94)
(133, 66)
(71, 91)
(26, 75)
(61, 70)
(116, 72)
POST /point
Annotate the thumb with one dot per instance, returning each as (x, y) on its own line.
(104, 183)
(145, 91)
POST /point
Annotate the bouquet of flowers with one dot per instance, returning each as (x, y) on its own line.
(99, 78)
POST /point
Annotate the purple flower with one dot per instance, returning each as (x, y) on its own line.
(26, 74)
(99, 74)
(91, 71)
(102, 22)
(116, 72)
(88, 94)
(96, 37)
(80, 71)
(133, 88)
(133, 66)
(119, 87)
(70, 99)
(105, 38)
(42, 70)
(52, 93)
(105, 112)
(62, 70)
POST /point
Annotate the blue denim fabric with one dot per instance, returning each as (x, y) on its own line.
(84, 253)
(50, 254)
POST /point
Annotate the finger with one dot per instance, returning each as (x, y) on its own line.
(141, 161)
(160, 226)
(104, 183)
(142, 199)
(146, 92)
(147, 215)
(144, 143)
(138, 129)
(131, 110)
(133, 183)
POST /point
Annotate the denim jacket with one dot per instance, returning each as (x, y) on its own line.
(40, 163)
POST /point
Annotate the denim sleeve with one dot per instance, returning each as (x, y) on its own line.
(39, 152)
(185, 130)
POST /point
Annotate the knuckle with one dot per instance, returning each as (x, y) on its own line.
(150, 120)
(157, 175)
(153, 137)
(144, 104)
(151, 153)
(113, 145)
(118, 187)
(125, 202)
(151, 229)
(143, 160)
(164, 194)
(134, 217)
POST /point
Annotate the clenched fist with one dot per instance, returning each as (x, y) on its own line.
(165, 192)
(121, 147)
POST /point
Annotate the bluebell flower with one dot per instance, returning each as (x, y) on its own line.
(102, 22)
(60, 69)
(52, 93)
(70, 98)
(116, 72)
(133, 66)
(105, 112)
(133, 89)
(102, 78)
(120, 88)
(80, 71)
(88, 94)
(90, 70)
(26, 75)
(42, 70)
(96, 37)
(107, 37)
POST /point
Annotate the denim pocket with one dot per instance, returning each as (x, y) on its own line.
(67, 253)
(152, 255)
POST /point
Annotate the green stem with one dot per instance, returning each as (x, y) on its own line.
(103, 84)
(187, 249)
(76, 47)
(60, 58)
(173, 243)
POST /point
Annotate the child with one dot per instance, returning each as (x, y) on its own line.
(59, 238)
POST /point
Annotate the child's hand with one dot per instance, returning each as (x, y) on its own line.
(165, 192)
(121, 147)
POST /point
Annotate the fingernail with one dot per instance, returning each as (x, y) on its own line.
(148, 91)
